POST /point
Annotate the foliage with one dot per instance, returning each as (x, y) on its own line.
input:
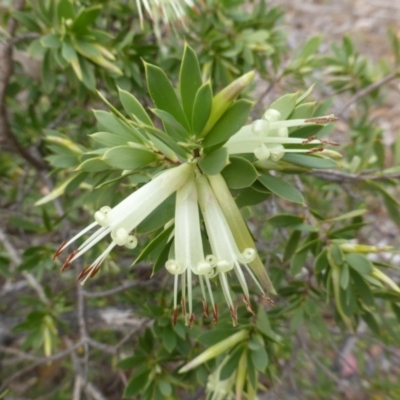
(120, 98)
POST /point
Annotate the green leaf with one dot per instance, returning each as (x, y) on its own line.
(93, 165)
(88, 77)
(109, 139)
(321, 262)
(351, 214)
(285, 105)
(239, 173)
(170, 122)
(230, 123)
(309, 161)
(201, 108)
(86, 49)
(291, 245)
(65, 10)
(126, 157)
(189, 81)
(281, 188)
(169, 338)
(137, 381)
(260, 359)
(87, 16)
(68, 51)
(362, 289)
(344, 276)
(213, 163)
(285, 220)
(359, 263)
(51, 41)
(160, 216)
(110, 123)
(133, 107)
(297, 262)
(231, 364)
(163, 94)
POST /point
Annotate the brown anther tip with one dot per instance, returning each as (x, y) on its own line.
(191, 319)
(215, 313)
(68, 261)
(233, 312)
(332, 143)
(270, 301)
(316, 150)
(174, 316)
(83, 273)
(59, 250)
(321, 120)
(309, 139)
(205, 308)
(248, 305)
(95, 271)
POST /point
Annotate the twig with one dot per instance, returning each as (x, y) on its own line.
(116, 290)
(345, 177)
(368, 90)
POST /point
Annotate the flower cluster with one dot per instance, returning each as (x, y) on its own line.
(204, 210)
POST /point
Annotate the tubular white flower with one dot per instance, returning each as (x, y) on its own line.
(223, 245)
(126, 216)
(189, 253)
(265, 137)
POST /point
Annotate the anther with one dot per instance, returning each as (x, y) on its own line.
(205, 308)
(59, 250)
(68, 261)
(215, 313)
(174, 316)
(248, 305)
(191, 319)
(233, 312)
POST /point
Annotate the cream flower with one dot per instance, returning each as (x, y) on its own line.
(265, 137)
(126, 216)
(223, 245)
(189, 254)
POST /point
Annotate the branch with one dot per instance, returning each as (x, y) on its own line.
(118, 289)
(368, 90)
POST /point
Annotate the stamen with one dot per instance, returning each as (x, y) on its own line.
(191, 319)
(309, 139)
(205, 308)
(84, 272)
(248, 305)
(316, 150)
(174, 316)
(59, 250)
(321, 120)
(233, 312)
(268, 299)
(215, 313)
(68, 261)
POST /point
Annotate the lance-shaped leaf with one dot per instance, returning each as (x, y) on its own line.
(126, 157)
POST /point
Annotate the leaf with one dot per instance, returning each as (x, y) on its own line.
(170, 122)
(48, 74)
(281, 188)
(93, 165)
(260, 359)
(240, 173)
(309, 161)
(110, 123)
(86, 49)
(344, 276)
(137, 381)
(285, 105)
(109, 139)
(88, 77)
(68, 51)
(169, 338)
(133, 107)
(126, 157)
(189, 81)
(351, 214)
(359, 263)
(231, 364)
(213, 163)
(156, 242)
(65, 10)
(51, 41)
(291, 245)
(230, 123)
(87, 16)
(201, 108)
(163, 94)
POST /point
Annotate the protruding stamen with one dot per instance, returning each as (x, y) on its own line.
(321, 120)
(268, 299)
(174, 316)
(215, 313)
(68, 261)
(309, 139)
(316, 150)
(183, 305)
(205, 308)
(59, 250)
(233, 312)
(248, 305)
(191, 320)
(84, 273)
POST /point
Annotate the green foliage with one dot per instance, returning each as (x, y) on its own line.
(159, 102)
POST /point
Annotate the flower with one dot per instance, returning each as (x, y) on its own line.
(265, 137)
(223, 245)
(189, 254)
(167, 11)
(126, 216)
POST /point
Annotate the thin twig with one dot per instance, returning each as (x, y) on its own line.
(345, 177)
(368, 90)
(118, 289)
